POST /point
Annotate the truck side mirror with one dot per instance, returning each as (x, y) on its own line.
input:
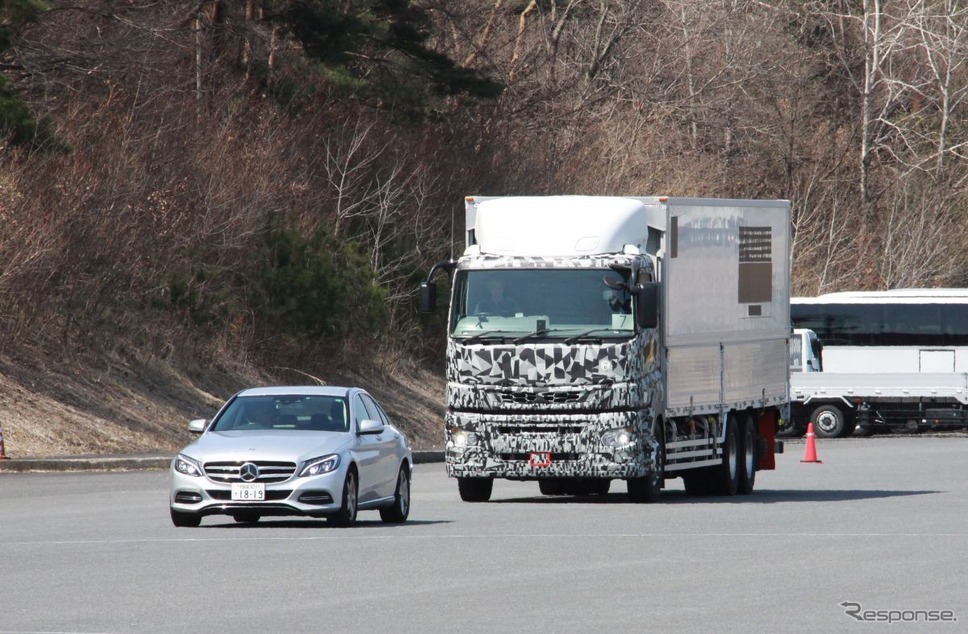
(428, 297)
(647, 304)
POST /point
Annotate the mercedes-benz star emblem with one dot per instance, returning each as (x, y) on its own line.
(249, 472)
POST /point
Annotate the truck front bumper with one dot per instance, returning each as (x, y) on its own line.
(611, 445)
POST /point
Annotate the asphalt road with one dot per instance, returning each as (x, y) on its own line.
(881, 524)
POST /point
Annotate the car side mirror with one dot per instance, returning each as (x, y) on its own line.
(197, 426)
(370, 427)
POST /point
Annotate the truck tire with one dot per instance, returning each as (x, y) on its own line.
(725, 476)
(598, 486)
(748, 455)
(550, 486)
(828, 421)
(475, 489)
(697, 482)
(649, 488)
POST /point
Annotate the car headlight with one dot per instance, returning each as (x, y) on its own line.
(320, 465)
(188, 466)
(617, 438)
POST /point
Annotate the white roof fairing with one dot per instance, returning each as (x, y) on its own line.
(549, 226)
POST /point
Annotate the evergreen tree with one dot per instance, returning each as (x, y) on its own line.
(377, 50)
(17, 123)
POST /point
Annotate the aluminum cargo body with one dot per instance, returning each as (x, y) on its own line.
(725, 304)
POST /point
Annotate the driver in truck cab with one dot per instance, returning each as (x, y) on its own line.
(496, 302)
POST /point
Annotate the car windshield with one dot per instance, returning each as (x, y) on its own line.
(284, 412)
(531, 304)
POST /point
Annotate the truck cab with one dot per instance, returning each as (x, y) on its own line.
(806, 351)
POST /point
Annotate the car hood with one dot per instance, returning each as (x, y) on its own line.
(278, 445)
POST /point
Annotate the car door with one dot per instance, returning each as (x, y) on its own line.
(385, 444)
(367, 453)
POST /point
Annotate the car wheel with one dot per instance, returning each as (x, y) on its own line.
(246, 518)
(346, 516)
(186, 520)
(475, 489)
(401, 500)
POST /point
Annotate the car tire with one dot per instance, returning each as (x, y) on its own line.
(346, 516)
(401, 500)
(185, 520)
(475, 489)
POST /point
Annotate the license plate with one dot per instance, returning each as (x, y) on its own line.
(248, 492)
(540, 459)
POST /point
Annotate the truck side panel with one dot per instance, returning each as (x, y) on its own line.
(725, 313)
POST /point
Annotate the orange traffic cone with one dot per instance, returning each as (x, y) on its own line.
(810, 453)
(3, 454)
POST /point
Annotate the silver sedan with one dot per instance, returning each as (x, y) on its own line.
(310, 451)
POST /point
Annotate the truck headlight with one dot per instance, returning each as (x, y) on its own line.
(463, 438)
(617, 438)
(187, 466)
(320, 465)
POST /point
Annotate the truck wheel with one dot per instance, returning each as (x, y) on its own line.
(828, 421)
(475, 489)
(748, 455)
(598, 486)
(649, 488)
(697, 482)
(725, 476)
(550, 487)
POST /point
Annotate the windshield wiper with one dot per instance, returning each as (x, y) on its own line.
(487, 335)
(587, 336)
(537, 333)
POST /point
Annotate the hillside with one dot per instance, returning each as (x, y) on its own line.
(111, 404)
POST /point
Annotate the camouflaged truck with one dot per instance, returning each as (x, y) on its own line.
(593, 339)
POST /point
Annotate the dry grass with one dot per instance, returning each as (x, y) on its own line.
(110, 404)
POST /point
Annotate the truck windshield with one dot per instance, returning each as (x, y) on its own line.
(541, 304)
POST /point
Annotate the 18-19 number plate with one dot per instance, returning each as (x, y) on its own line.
(248, 491)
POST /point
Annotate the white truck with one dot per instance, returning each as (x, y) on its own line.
(856, 400)
(593, 339)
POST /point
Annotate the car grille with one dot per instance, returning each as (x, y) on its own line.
(270, 495)
(268, 471)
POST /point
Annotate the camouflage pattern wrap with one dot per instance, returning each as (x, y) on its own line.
(511, 407)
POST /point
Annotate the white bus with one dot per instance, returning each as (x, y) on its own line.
(909, 330)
